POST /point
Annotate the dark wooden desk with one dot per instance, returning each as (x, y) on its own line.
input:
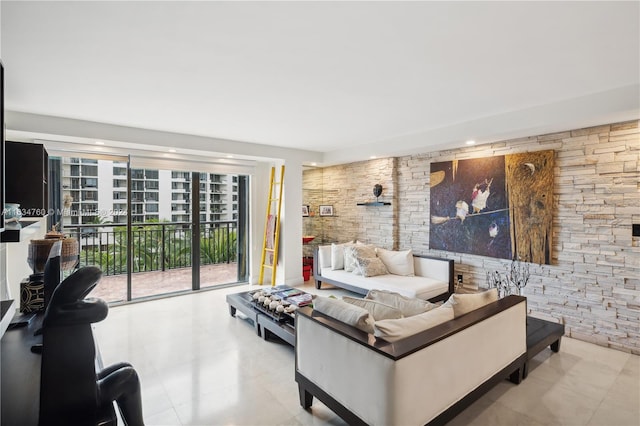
(20, 375)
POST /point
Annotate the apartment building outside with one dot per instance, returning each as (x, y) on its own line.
(98, 189)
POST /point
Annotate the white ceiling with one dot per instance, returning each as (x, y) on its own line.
(343, 78)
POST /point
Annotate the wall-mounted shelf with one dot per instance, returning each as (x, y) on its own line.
(375, 203)
(17, 231)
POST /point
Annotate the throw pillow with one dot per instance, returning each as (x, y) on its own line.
(370, 266)
(324, 256)
(464, 303)
(350, 253)
(349, 259)
(379, 311)
(337, 255)
(393, 330)
(397, 262)
(362, 251)
(409, 306)
(365, 250)
(347, 313)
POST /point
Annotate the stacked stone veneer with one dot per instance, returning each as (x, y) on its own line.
(593, 283)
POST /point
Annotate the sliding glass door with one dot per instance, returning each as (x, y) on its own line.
(155, 231)
(161, 232)
(218, 226)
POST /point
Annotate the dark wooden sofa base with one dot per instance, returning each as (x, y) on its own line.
(540, 334)
(308, 390)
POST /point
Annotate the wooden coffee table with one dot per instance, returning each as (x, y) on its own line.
(242, 302)
(265, 325)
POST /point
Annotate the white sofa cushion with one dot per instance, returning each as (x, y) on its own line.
(397, 262)
(378, 310)
(409, 306)
(347, 313)
(464, 303)
(418, 286)
(392, 330)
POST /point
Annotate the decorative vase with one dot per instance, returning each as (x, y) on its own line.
(377, 190)
(12, 212)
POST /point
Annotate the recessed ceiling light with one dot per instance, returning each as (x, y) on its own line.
(373, 157)
(314, 164)
(470, 142)
(229, 156)
(99, 143)
(172, 150)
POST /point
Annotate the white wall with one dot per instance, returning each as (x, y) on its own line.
(289, 268)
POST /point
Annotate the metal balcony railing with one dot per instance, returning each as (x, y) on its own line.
(155, 246)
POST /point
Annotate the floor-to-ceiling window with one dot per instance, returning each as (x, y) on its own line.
(154, 230)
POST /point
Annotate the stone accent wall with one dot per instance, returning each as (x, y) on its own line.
(343, 187)
(593, 283)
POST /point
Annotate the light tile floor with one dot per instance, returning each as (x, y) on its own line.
(200, 366)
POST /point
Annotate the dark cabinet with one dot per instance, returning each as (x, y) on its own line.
(26, 176)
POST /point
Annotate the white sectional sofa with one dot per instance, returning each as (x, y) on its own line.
(424, 378)
(431, 278)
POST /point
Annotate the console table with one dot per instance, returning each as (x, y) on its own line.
(21, 375)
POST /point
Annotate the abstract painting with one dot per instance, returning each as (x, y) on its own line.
(498, 206)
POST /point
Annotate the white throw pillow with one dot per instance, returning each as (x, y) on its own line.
(347, 313)
(397, 262)
(337, 255)
(464, 303)
(324, 256)
(370, 266)
(409, 306)
(349, 258)
(378, 310)
(393, 330)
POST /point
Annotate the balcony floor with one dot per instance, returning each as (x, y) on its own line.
(113, 288)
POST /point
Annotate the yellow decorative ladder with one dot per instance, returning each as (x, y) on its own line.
(272, 228)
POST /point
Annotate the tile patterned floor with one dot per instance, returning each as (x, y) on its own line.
(113, 288)
(200, 366)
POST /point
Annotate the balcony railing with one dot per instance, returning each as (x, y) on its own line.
(156, 246)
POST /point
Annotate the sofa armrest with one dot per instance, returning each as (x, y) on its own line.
(435, 267)
(416, 342)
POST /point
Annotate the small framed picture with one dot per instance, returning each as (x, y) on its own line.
(305, 211)
(326, 210)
